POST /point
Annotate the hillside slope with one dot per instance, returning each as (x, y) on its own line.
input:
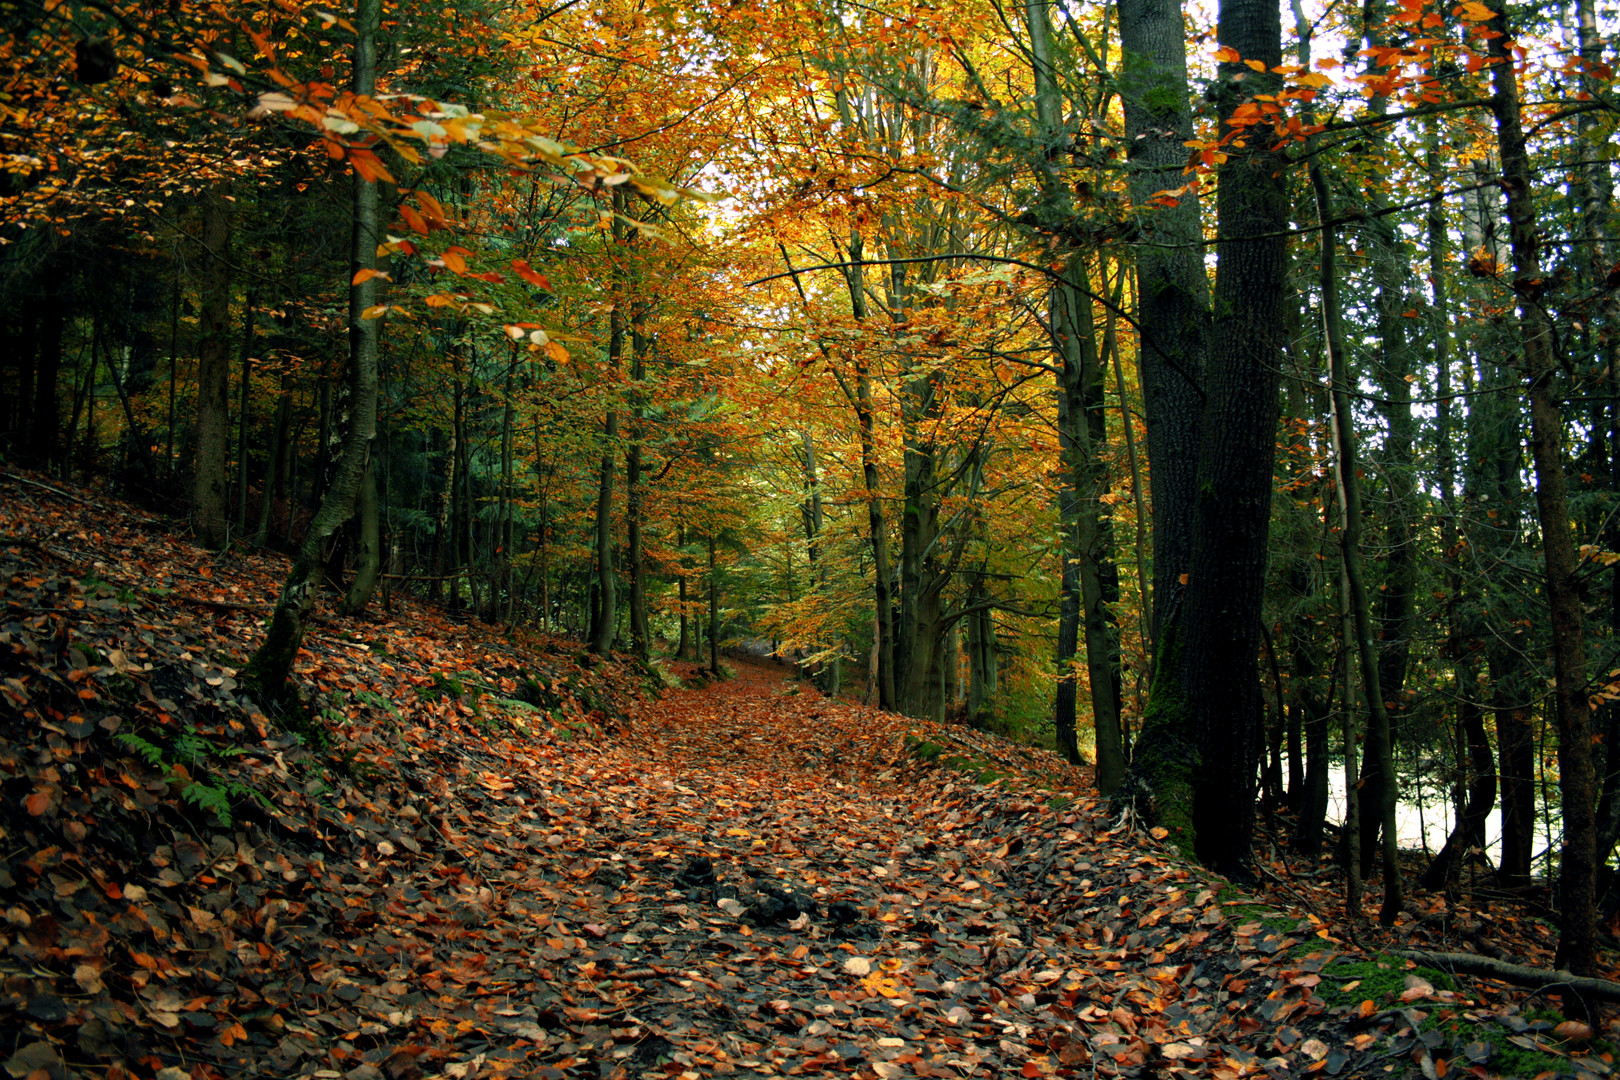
(492, 856)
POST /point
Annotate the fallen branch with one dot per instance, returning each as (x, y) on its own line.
(53, 490)
(1518, 974)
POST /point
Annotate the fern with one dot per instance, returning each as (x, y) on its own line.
(215, 800)
(146, 751)
(192, 750)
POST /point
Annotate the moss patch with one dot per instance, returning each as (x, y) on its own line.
(1380, 981)
(1164, 768)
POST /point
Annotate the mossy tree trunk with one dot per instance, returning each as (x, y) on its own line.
(271, 665)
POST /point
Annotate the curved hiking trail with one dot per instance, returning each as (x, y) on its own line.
(791, 889)
(498, 856)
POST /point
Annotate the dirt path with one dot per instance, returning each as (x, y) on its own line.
(772, 890)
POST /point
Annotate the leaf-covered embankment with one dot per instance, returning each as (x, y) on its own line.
(443, 878)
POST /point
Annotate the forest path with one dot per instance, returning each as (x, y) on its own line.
(788, 892)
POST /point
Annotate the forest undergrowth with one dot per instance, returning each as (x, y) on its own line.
(483, 853)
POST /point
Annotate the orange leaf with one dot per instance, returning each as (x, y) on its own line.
(369, 166)
(432, 205)
(414, 220)
(364, 274)
(530, 274)
(456, 259)
(38, 802)
(1257, 65)
(1226, 54)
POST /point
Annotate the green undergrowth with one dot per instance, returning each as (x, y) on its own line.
(1347, 983)
(977, 767)
(1350, 982)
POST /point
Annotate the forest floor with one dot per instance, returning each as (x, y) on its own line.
(489, 854)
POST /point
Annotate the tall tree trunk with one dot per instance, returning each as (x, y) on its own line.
(271, 664)
(1349, 492)
(1172, 284)
(45, 419)
(978, 693)
(368, 559)
(243, 403)
(714, 611)
(174, 368)
(274, 471)
(23, 345)
(1577, 943)
(1082, 441)
(634, 495)
(1237, 449)
(444, 542)
(1173, 310)
(605, 616)
(1350, 736)
(505, 599)
(1468, 834)
(686, 647)
(921, 618)
(208, 492)
(1397, 595)
(877, 530)
(828, 672)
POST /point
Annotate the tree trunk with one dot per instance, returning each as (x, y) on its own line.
(1349, 493)
(213, 380)
(1226, 583)
(368, 560)
(921, 617)
(444, 542)
(877, 530)
(634, 496)
(243, 408)
(45, 417)
(505, 599)
(714, 612)
(1172, 284)
(605, 616)
(1350, 835)
(271, 664)
(1577, 901)
(1391, 263)
(274, 472)
(1468, 834)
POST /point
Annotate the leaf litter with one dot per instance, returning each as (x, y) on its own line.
(513, 859)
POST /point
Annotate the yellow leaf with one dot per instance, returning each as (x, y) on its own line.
(1257, 65)
(1226, 54)
(366, 274)
(556, 352)
(375, 311)
(1474, 11)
